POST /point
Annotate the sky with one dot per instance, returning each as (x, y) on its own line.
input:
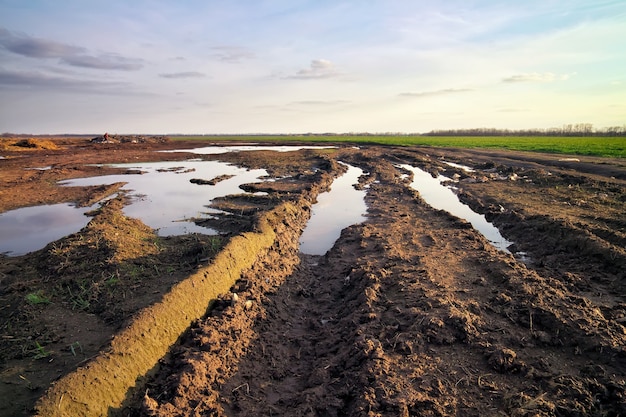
(297, 66)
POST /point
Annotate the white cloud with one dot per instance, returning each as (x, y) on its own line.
(319, 102)
(436, 92)
(536, 77)
(319, 69)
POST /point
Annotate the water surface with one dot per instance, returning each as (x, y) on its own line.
(440, 197)
(215, 150)
(164, 198)
(31, 228)
(335, 210)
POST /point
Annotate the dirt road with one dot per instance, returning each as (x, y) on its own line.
(412, 312)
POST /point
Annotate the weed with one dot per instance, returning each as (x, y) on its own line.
(40, 351)
(133, 272)
(57, 250)
(74, 346)
(37, 297)
(80, 298)
(113, 280)
(215, 244)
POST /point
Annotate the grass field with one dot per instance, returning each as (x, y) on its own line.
(597, 146)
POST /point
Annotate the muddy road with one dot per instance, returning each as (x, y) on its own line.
(412, 312)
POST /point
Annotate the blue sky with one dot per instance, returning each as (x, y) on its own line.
(191, 66)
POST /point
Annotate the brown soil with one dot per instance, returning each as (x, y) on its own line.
(412, 312)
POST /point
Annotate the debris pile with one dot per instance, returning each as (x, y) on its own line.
(106, 138)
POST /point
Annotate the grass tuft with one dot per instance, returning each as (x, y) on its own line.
(37, 298)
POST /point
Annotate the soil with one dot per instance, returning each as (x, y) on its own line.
(412, 312)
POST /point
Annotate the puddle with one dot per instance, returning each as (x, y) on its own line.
(455, 165)
(335, 210)
(215, 150)
(32, 228)
(41, 168)
(441, 197)
(164, 198)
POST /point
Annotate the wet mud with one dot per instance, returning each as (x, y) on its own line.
(412, 312)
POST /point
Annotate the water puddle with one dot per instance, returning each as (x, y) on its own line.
(41, 168)
(455, 165)
(164, 198)
(32, 228)
(335, 210)
(441, 197)
(215, 150)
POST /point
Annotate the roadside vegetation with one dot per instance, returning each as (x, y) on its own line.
(605, 146)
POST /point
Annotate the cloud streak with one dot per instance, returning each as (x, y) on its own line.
(182, 75)
(75, 56)
(35, 47)
(318, 69)
(535, 77)
(232, 54)
(40, 80)
(435, 93)
(319, 102)
(106, 62)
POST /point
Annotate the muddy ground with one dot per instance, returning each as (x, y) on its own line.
(412, 312)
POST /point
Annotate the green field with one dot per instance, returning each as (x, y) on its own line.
(589, 145)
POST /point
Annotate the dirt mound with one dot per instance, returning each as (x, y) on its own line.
(27, 144)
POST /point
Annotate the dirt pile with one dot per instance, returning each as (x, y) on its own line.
(27, 144)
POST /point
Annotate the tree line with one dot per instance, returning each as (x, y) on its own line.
(577, 129)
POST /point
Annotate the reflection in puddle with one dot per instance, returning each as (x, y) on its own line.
(32, 228)
(166, 200)
(335, 210)
(214, 150)
(441, 197)
(463, 167)
(41, 168)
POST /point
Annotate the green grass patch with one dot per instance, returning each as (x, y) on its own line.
(37, 298)
(588, 145)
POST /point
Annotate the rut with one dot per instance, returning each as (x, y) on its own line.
(298, 361)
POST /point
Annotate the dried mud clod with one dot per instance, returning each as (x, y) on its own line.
(505, 360)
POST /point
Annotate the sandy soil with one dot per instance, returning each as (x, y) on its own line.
(412, 312)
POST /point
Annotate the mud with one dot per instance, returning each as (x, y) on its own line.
(412, 312)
